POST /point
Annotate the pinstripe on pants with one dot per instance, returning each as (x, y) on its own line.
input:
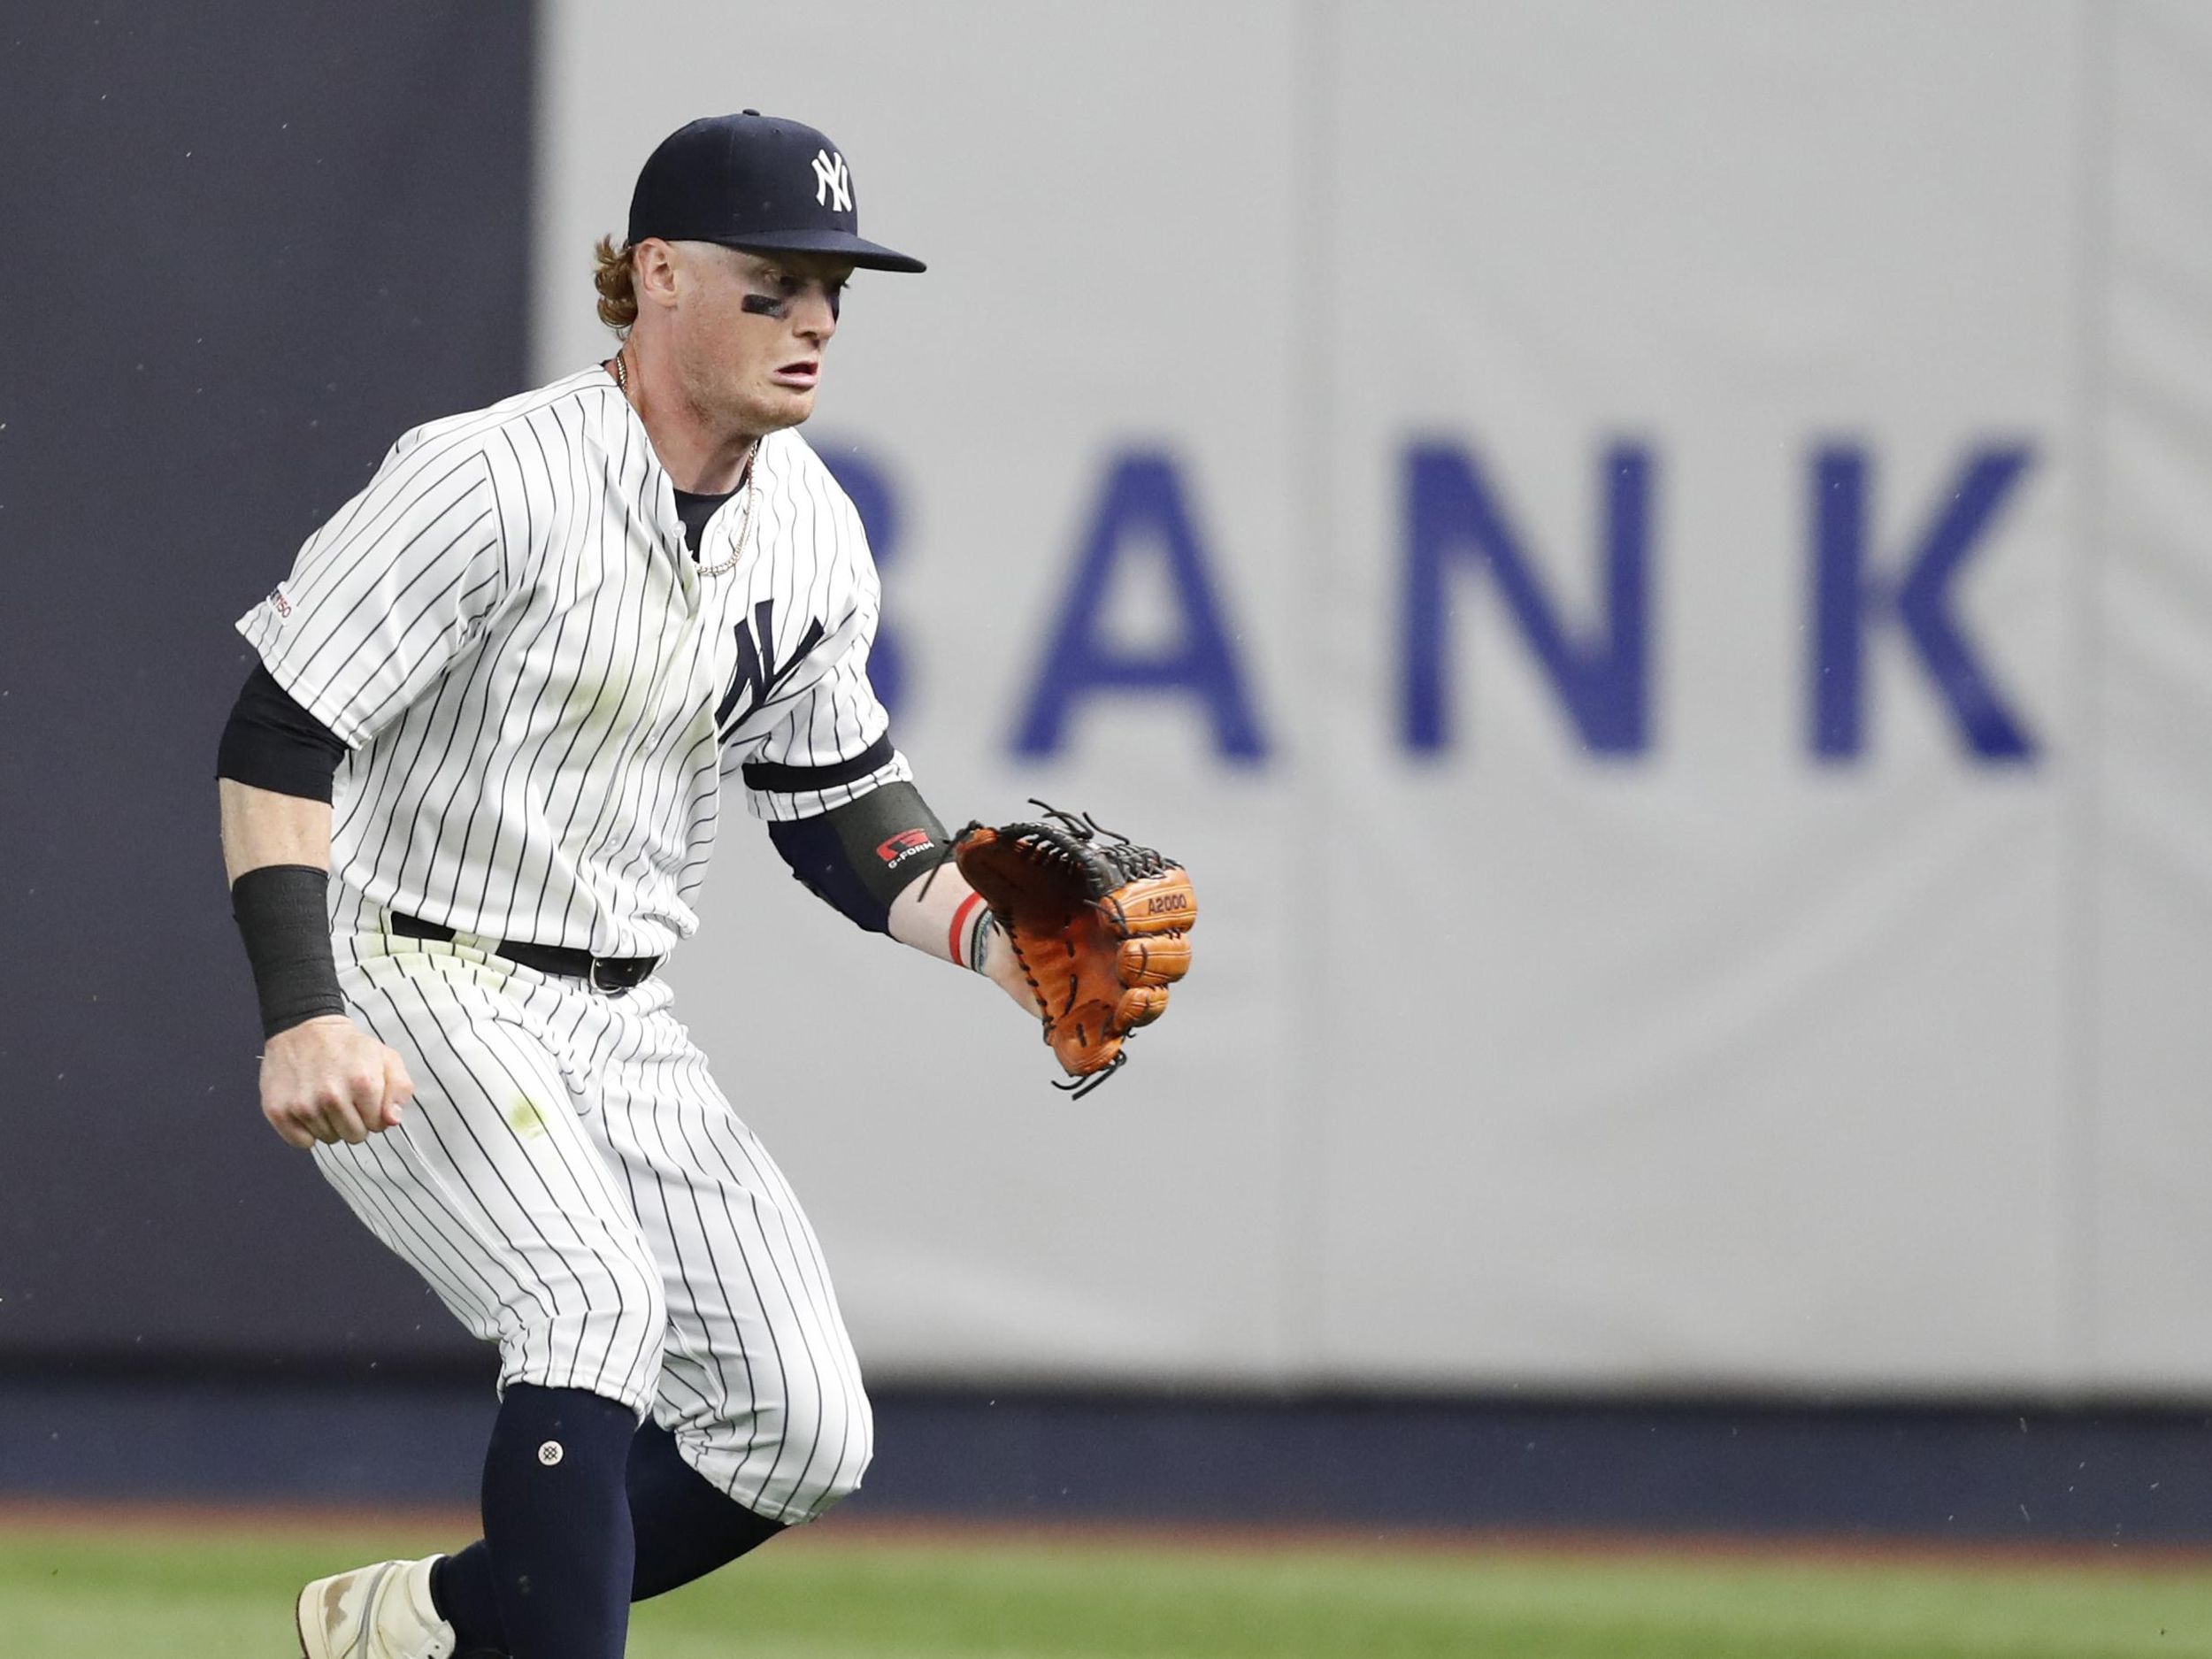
(573, 1185)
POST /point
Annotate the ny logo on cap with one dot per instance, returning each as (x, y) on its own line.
(831, 179)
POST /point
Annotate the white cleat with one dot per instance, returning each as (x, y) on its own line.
(380, 1612)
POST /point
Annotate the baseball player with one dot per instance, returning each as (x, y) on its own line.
(468, 797)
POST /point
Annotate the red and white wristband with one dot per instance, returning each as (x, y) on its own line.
(969, 938)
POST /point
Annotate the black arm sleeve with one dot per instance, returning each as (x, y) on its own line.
(272, 743)
(861, 856)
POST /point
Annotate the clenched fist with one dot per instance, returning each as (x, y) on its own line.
(326, 1080)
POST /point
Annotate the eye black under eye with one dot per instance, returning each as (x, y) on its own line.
(788, 288)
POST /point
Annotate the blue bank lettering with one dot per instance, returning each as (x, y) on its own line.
(1601, 673)
(1142, 511)
(1849, 598)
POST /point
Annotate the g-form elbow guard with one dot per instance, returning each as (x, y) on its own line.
(861, 856)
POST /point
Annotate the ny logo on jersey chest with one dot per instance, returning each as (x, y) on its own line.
(759, 675)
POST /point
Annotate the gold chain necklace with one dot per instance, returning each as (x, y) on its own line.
(752, 475)
(745, 524)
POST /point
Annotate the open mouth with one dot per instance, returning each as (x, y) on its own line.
(804, 372)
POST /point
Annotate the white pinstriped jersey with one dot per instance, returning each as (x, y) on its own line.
(543, 692)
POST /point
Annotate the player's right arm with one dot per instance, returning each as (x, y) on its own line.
(322, 1077)
(378, 603)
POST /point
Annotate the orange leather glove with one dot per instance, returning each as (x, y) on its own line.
(1100, 925)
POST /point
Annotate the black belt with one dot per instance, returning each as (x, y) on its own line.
(612, 974)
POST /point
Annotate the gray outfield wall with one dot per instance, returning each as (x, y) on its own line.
(1671, 615)
(1653, 561)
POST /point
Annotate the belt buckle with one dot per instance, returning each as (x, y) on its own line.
(592, 979)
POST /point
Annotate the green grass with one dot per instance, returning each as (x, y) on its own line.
(73, 1594)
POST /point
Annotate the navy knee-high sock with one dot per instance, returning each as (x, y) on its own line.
(558, 1544)
(682, 1526)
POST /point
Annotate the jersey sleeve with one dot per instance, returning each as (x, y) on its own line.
(388, 593)
(834, 743)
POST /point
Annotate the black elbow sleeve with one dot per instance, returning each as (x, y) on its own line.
(859, 856)
(271, 743)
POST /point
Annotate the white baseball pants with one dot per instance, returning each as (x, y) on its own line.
(574, 1187)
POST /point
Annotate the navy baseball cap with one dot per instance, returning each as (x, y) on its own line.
(750, 180)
